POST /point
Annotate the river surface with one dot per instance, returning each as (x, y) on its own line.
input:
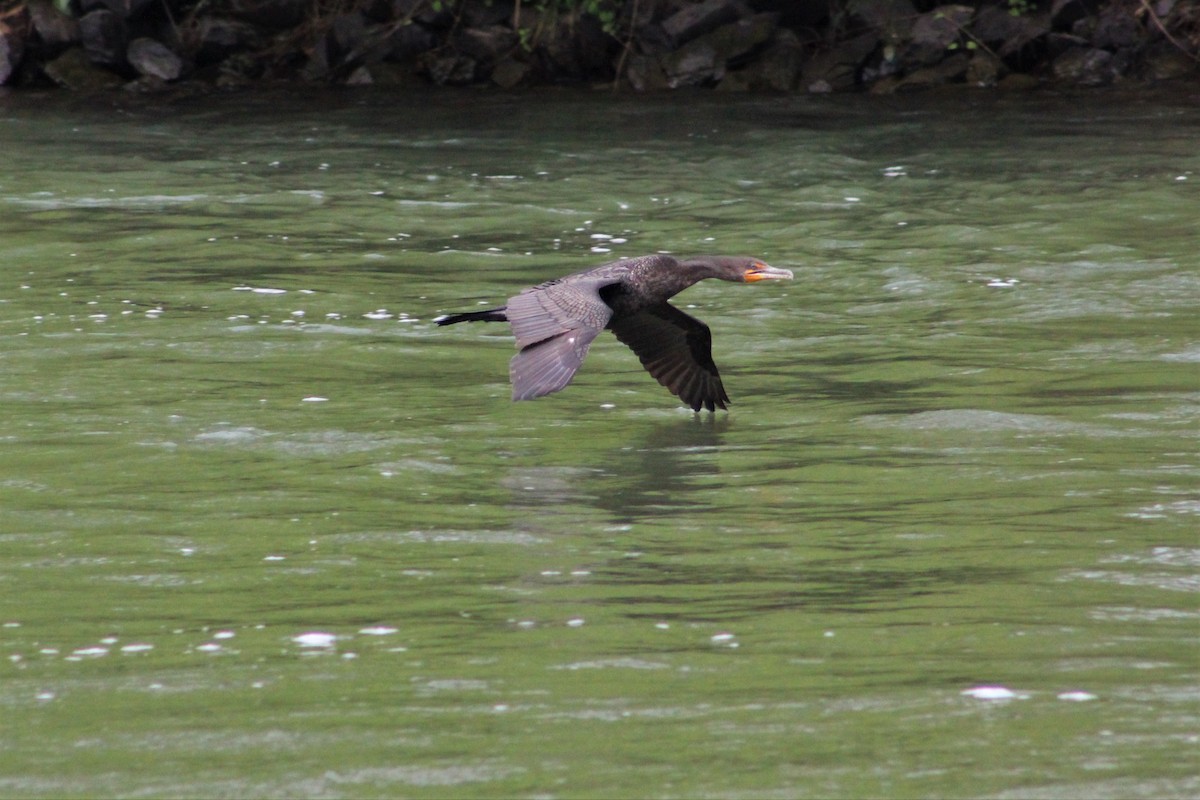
(266, 530)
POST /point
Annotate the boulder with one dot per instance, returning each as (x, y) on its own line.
(450, 70)
(104, 37)
(212, 39)
(1086, 66)
(779, 67)
(1164, 61)
(486, 45)
(12, 44)
(645, 73)
(837, 69)
(694, 65)
(1007, 33)
(74, 70)
(408, 42)
(154, 59)
(698, 19)
(510, 73)
(53, 27)
(933, 34)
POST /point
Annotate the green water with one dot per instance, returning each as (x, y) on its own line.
(267, 531)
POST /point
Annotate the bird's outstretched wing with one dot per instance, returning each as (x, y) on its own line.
(677, 350)
(554, 325)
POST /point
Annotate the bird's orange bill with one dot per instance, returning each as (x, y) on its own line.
(758, 271)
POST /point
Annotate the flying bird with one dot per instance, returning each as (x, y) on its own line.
(555, 322)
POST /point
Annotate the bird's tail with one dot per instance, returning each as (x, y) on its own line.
(491, 315)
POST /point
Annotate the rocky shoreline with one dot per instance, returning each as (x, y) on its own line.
(817, 46)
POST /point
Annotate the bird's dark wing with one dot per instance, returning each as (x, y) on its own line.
(677, 350)
(554, 325)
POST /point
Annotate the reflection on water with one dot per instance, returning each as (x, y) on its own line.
(264, 521)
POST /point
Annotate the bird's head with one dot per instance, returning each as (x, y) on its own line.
(755, 270)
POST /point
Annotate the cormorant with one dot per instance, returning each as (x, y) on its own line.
(555, 323)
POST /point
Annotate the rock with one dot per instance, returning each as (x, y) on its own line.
(1115, 28)
(274, 15)
(779, 68)
(126, 9)
(693, 65)
(212, 39)
(153, 58)
(510, 73)
(1018, 82)
(485, 13)
(645, 73)
(893, 19)
(1163, 61)
(12, 46)
(486, 45)
(361, 76)
(947, 70)
(1085, 66)
(984, 69)
(74, 70)
(450, 70)
(934, 32)
(739, 38)
(838, 68)
(52, 26)
(104, 38)
(1006, 33)
(1065, 13)
(408, 42)
(698, 19)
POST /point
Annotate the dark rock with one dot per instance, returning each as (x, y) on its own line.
(347, 34)
(948, 70)
(211, 39)
(13, 30)
(693, 65)
(579, 51)
(892, 19)
(409, 41)
(153, 58)
(1065, 13)
(1114, 28)
(104, 38)
(793, 15)
(361, 76)
(985, 69)
(779, 68)
(450, 70)
(1085, 66)
(645, 73)
(74, 70)
(52, 26)
(696, 20)
(739, 38)
(485, 13)
(486, 45)
(275, 15)
(126, 9)
(838, 69)
(1007, 33)
(1164, 61)
(933, 34)
(510, 73)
